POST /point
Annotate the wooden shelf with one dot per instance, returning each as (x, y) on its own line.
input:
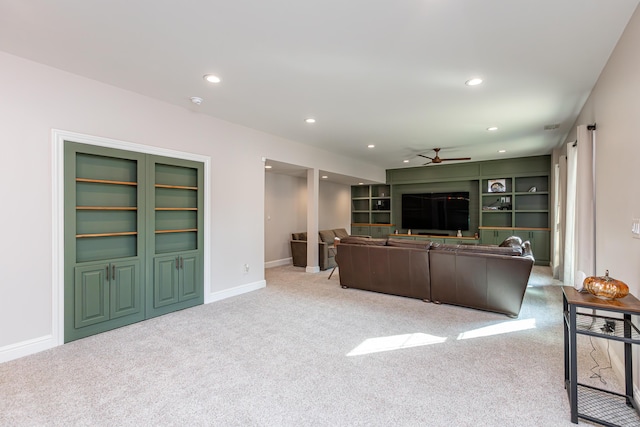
(123, 233)
(106, 208)
(180, 187)
(182, 230)
(106, 181)
(176, 209)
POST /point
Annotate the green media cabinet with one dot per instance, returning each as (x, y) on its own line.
(133, 237)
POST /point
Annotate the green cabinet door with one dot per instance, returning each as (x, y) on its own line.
(540, 244)
(125, 289)
(494, 236)
(189, 277)
(91, 296)
(381, 231)
(106, 291)
(166, 271)
(177, 280)
(360, 230)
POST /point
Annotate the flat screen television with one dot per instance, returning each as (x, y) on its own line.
(436, 211)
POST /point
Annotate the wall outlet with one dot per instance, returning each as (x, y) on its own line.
(246, 268)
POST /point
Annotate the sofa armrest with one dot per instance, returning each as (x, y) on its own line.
(476, 280)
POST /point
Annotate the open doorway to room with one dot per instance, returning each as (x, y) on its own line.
(287, 204)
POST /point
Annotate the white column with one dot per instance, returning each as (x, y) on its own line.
(313, 193)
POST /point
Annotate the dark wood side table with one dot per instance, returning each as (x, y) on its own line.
(613, 322)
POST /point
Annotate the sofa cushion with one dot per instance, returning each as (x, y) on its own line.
(355, 240)
(327, 236)
(444, 247)
(490, 249)
(341, 233)
(302, 236)
(405, 243)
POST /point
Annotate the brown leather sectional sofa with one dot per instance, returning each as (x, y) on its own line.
(491, 278)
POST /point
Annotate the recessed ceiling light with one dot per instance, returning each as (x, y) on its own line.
(473, 82)
(324, 177)
(268, 167)
(211, 78)
(492, 128)
(370, 146)
(309, 120)
(405, 161)
(502, 151)
(196, 100)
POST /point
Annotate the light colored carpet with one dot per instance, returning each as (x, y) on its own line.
(284, 356)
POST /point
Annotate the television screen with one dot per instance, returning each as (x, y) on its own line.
(436, 211)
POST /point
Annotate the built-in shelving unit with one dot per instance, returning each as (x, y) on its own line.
(522, 209)
(133, 237)
(371, 210)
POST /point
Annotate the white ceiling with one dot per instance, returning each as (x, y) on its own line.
(389, 73)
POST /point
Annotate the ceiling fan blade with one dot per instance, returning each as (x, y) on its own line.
(459, 158)
(426, 157)
(427, 164)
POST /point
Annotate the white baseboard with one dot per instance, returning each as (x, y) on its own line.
(278, 262)
(238, 290)
(25, 348)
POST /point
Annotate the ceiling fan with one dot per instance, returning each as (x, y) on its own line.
(437, 158)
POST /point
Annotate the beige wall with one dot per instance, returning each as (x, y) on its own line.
(35, 99)
(614, 106)
(286, 208)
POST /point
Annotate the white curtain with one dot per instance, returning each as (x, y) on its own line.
(579, 248)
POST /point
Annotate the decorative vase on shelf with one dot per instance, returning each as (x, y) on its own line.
(606, 287)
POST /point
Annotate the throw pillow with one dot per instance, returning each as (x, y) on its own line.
(511, 241)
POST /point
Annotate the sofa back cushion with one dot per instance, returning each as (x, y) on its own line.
(327, 236)
(405, 243)
(482, 249)
(355, 240)
(341, 233)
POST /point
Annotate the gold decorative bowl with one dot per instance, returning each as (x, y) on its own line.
(606, 287)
